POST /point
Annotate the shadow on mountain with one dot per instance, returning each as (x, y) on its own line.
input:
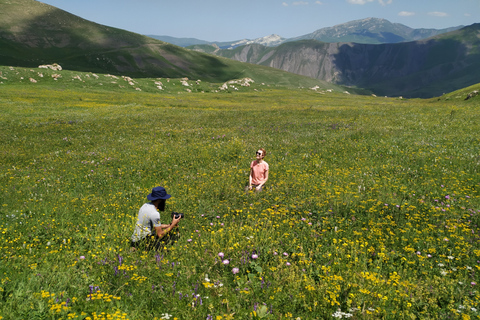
(381, 37)
(77, 44)
(421, 69)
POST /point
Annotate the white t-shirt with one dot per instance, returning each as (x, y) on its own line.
(148, 219)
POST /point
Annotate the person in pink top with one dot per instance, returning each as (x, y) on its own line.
(258, 172)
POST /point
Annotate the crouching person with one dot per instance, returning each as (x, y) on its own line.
(149, 232)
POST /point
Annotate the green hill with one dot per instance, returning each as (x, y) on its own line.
(33, 33)
(470, 93)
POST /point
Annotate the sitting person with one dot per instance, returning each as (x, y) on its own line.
(149, 232)
(258, 172)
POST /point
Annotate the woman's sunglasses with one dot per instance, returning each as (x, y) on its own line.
(259, 153)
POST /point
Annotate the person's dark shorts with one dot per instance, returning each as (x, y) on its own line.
(154, 242)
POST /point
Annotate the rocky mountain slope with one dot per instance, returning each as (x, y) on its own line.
(423, 68)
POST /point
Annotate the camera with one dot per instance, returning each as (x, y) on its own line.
(177, 215)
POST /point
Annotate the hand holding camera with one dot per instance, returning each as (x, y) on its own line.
(177, 215)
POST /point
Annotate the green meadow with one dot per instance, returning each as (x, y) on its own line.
(371, 210)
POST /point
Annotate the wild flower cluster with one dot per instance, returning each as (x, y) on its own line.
(371, 209)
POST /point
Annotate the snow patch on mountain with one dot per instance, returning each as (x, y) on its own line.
(269, 41)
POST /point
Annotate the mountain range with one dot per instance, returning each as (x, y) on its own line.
(366, 31)
(374, 54)
(33, 33)
(271, 40)
(423, 68)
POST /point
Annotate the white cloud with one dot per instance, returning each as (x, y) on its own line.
(362, 2)
(406, 14)
(359, 1)
(384, 3)
(438, 14)
(300, 3)
(467, 15)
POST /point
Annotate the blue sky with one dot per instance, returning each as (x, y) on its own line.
(225, 20)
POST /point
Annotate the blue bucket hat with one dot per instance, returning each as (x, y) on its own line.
(158, 193)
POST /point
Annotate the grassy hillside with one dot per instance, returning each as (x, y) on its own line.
(463, 94)
(66, 79)
(33, 33)
(371, 209)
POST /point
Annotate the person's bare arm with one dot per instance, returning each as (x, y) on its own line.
(250, 179)
(163, 229)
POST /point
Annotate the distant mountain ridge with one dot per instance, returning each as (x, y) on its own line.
(271, 40)
(424, 68)
(372, 31)
(368, 31)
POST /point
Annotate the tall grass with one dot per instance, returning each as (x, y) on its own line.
(371, 211)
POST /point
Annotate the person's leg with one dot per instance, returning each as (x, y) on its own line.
(174, 237)
(166, 241)
(260, 189)
(133, 246)
(140, 244)
(148, 243)
(158, 243)
(254, 188)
